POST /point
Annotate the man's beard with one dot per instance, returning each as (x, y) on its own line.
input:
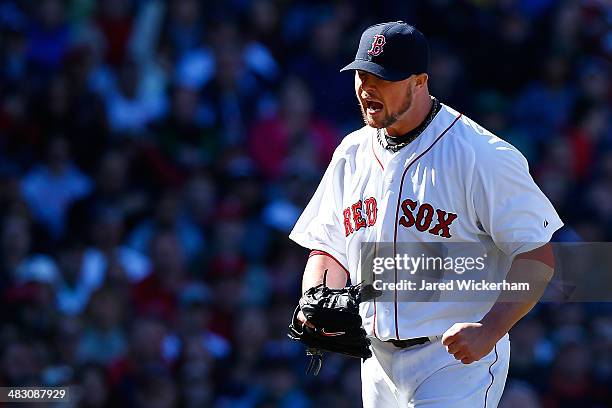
(390, 118)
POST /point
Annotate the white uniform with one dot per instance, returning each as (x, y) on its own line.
(456, 182)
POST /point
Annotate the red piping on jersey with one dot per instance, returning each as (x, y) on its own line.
(319, 252)
(374, 323)
(376, 246)
(492, 376)
(377, 159)
(399, 197)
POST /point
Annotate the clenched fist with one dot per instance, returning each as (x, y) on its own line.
(469, 342)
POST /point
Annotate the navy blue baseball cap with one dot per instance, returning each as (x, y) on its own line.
(392, 51)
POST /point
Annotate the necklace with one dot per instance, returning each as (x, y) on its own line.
(394, 144)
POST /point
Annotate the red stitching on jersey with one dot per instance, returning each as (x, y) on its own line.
(319, 252)
(397, 211)
(377, 159)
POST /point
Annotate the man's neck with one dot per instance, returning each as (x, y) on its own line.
(412, 118)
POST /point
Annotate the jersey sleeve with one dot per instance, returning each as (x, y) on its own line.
(320, 227)
(509, 205)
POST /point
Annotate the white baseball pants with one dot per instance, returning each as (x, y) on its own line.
(427, 376)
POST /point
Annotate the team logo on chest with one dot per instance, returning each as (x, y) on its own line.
(362, 214)
(422, 217)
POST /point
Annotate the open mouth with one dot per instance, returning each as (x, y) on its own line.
(373, 107)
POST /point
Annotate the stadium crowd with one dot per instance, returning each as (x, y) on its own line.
(154, 156)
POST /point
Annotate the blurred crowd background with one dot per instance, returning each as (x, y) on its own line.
(154, 156)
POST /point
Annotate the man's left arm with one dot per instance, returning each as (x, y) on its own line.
(469, 342)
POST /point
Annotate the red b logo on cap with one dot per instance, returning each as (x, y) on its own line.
(377, 45)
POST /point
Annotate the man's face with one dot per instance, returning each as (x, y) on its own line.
(382, 102)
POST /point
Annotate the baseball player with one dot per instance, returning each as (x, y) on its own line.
(419, 171)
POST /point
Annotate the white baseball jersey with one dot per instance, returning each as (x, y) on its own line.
(456, 182)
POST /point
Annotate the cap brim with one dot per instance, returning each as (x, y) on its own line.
(374, 69)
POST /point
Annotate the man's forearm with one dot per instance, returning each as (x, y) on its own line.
(469, 342)
(315, 270)
(504, 315)
(510, 307)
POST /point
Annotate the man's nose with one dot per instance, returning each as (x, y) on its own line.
(367, 87)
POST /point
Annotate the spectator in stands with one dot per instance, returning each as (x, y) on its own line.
(50, 188)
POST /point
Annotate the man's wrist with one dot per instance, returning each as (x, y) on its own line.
(494, 327)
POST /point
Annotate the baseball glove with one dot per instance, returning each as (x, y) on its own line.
(338, 326)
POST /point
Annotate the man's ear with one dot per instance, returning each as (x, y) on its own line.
(420, 80)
